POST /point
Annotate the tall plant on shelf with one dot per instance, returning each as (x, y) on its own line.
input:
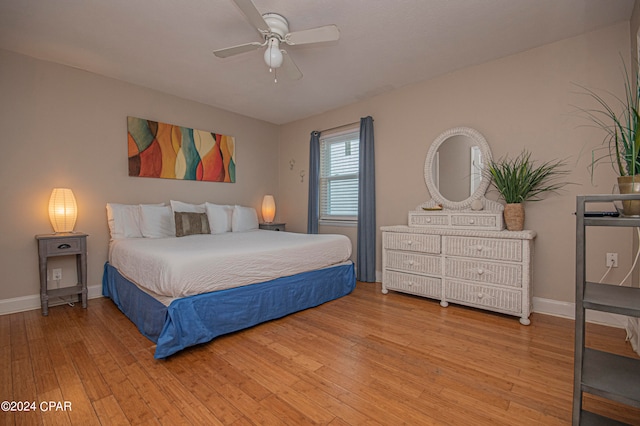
(619, 120)
(520, 179)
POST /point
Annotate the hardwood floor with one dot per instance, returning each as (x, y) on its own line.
(366, 358)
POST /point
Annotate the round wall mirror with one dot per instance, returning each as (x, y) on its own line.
(455, 168)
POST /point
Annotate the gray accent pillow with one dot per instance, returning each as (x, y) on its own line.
(188, 223)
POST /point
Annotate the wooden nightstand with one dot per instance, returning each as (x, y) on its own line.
(63, 244)
(273, 226)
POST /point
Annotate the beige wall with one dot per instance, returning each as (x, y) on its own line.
(66, 127)
(633, 34)
(522, 101)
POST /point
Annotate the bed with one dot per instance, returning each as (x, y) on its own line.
(184, 291)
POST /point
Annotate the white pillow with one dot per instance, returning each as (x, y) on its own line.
(219, 218)
(229, 210)
(155, 221)
(124, 220)
(244, 219)
(179, 206)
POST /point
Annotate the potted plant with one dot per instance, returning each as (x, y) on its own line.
(520, 179)
(622, 140)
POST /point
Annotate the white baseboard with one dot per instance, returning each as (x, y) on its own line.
(568, 310)
(540, 305)
(29, 303)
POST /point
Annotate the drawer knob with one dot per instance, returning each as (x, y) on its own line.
(472, 221)
(479, 248)
(64, 246)
(409, 242)
(428, 220)
(480, 295)
(411, 262)
(480, 271)
(409, 283)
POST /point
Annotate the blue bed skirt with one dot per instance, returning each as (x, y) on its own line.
(198, 319)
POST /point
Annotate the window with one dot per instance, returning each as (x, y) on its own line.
(339, 167)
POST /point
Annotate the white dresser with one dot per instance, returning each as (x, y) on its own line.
(480, 268)
(454, 248)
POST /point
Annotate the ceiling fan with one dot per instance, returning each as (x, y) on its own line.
(274, 29)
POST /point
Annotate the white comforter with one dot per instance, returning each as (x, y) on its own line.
(185, 266)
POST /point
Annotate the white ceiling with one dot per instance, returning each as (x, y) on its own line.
(384, 44)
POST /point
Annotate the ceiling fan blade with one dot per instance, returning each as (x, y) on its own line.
(236, 50)
(313, 35)
(253, 15)
(289, 67)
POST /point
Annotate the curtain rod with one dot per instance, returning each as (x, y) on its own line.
(339, 127)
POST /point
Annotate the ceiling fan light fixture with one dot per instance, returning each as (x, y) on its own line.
(272, 55)
(274, 29)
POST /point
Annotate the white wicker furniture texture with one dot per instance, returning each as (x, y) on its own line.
(458, 219)
(479, 268)
(475, 211)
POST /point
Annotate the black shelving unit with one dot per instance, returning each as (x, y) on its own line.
(597, 372)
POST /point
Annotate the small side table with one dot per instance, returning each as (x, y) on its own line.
(273, 226)
(62, 244)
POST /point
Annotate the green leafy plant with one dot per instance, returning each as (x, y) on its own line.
(519, 179)
(622, 139)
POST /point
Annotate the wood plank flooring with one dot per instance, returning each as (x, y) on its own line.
(365, 359)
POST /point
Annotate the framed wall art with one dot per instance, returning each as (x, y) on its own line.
(169, 151)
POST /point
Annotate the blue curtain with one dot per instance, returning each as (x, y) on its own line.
(366, 258)
(313, 210)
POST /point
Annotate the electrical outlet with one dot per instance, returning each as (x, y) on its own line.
(612, 260)
(56, 274)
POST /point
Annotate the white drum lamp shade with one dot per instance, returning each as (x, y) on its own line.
(63, 210)
(268, 208)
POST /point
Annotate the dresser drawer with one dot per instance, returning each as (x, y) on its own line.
(474, 221)
(428, 219)
(413, 262)
(494, 298)
(411, 242)
(481, 220)
(414, 284)
(483, 248)
(508, 274)
(62, 246)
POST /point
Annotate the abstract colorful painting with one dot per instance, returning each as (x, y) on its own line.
(173, 152)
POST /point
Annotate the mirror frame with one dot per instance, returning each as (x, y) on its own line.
(431, 154)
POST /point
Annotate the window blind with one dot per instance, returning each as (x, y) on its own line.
(339, 167)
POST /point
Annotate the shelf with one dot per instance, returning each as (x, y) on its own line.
(588, 418)
(600, 373)
(65, 291)
(611, 376)
(612, 298)
(612, 221)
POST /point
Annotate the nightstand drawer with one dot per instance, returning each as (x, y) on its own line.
(63, 246)
(272, 226)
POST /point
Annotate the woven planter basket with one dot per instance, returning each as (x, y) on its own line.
(514, 216)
